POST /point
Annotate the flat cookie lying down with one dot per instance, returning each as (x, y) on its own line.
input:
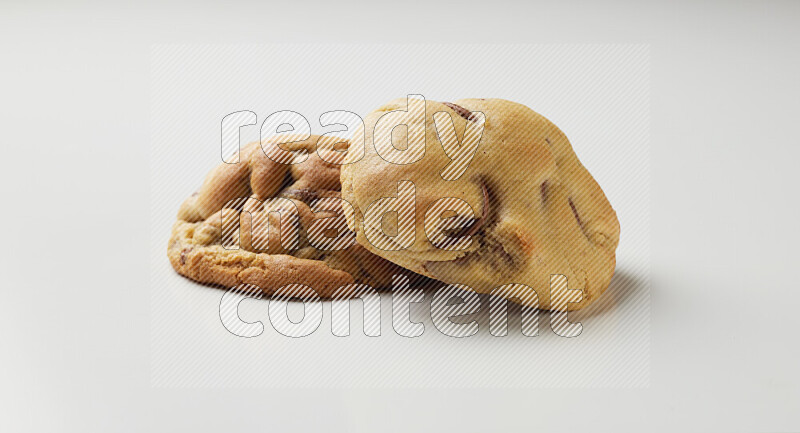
(535, 210)
(238, 196)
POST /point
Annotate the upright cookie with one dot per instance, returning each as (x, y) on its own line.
(227, 233)
(535, 210)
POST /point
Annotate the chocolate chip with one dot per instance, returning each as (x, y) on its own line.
(183, 255)
(463, 112)
(485, 192)
(474, 224)
(500, 253)
(575, 212)
(465, 230)
(543, 191)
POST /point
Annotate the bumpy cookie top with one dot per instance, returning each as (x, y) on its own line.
(228, 233)
(508, 179)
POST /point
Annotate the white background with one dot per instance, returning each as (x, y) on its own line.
(77, 311)
(597, 94)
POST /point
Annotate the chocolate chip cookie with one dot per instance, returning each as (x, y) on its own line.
(270, 224)
(521, 205)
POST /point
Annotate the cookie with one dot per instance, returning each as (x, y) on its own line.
(518, 210)
(226, 232)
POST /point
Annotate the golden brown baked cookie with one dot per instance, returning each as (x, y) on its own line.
(232, 208)
(535, 210)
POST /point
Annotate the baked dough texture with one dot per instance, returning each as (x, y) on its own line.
(225, 232)
(536, 211)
